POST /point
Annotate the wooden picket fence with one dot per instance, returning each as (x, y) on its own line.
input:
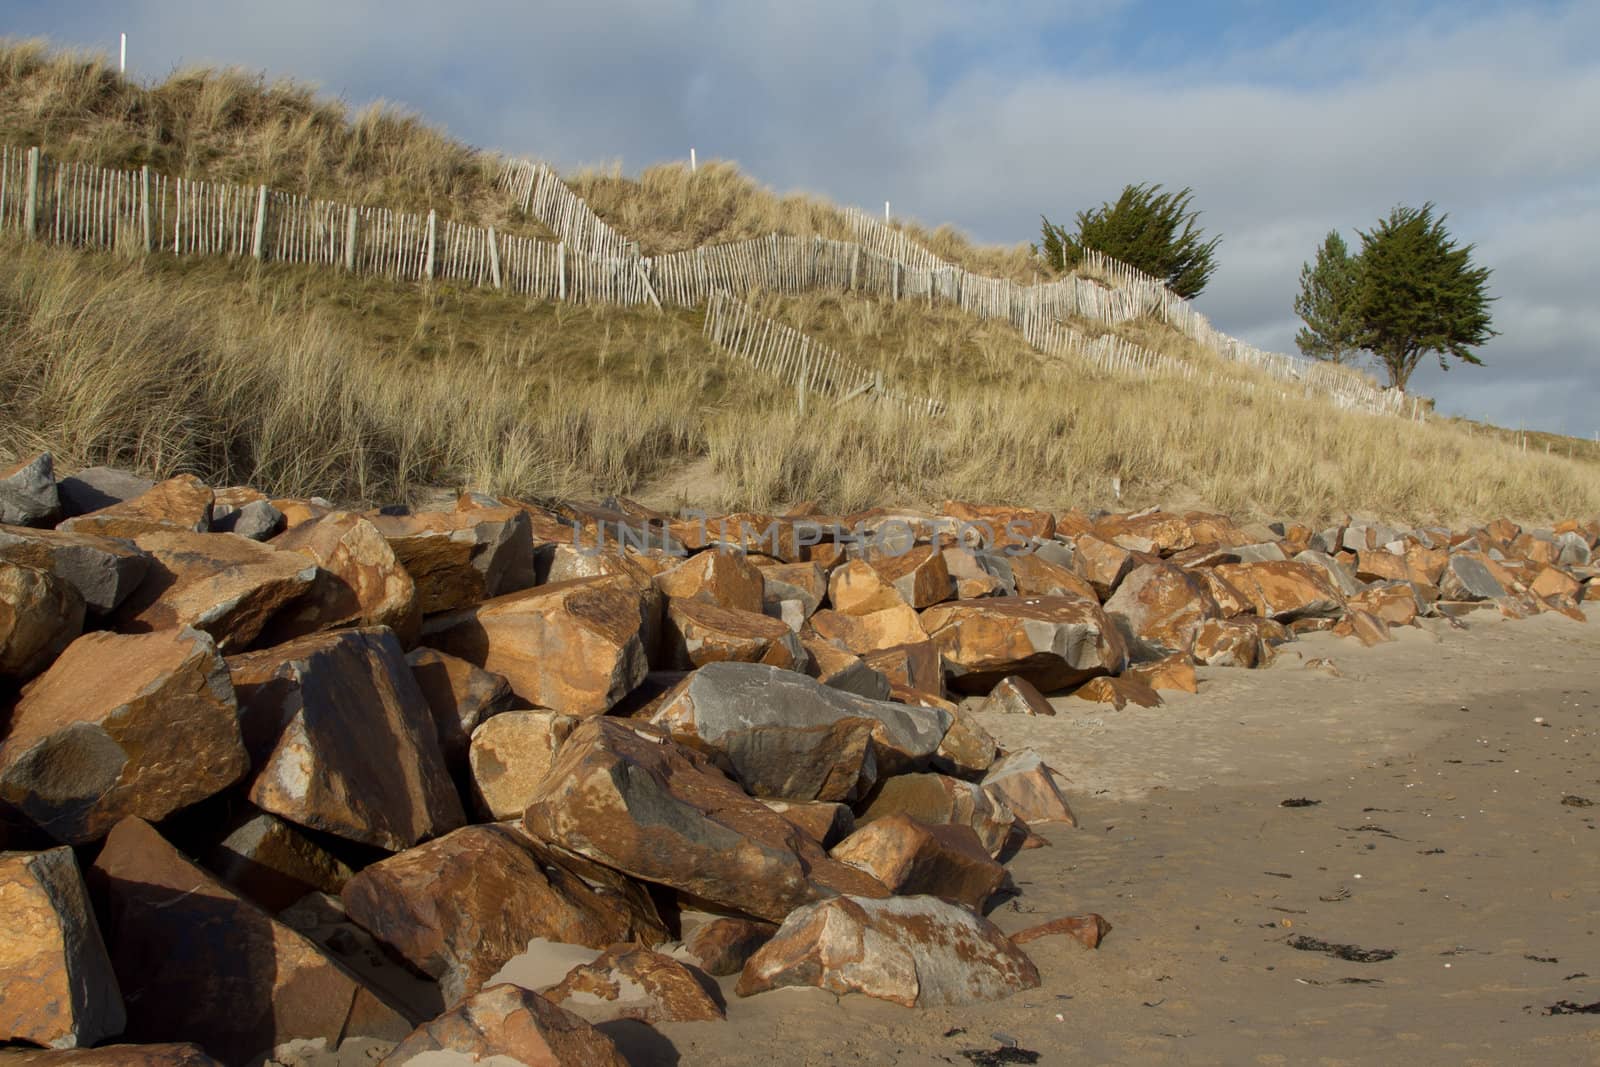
(541, 193)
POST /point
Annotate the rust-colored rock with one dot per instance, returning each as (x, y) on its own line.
(720, 576)
(507, 1024)
(699, 632)
(1173, 672)
(510, 756)
(630, 982)
(343, 741)
(1053, 642)
(1395, 602)
(272, 863)
(247, 983)
(1088, 930)
(1016, 696)
(1003, 527)
(1230, 643)
(918, 575)
(360, 581)
(857, 588)
(40, 615)
(840, 668)
(1157, 608)
(181, 504)
(140, 724)
(1164, 533)
(1119, 692)
(165, 1054)
(722, 946)
(1285, 590)
(460, 695)
(577, 647)
(229, 587)
(1364, 627)
(826, 822)
(457, 558)
(916, 951)
(914, 666)
(1381, 565)
(1033, 575)
(967, 749)
(938, 799)
(1101, 563)
(57, 987)
(913, 858)
(625, 795)
(861, 634)
(793, 591)
(457, 909)
(1554, 582)
(974, 577)
(1023, 783)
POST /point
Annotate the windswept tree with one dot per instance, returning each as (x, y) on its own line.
(1155, 231)
(1327, 303)
(1419, 293)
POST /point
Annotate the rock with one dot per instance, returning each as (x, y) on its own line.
(342, 739)
(576, 647)
(273, 864)
(167, 1054)
(824, 821)
(629, 982)
(40, 615)
(786, 736)
(967, 749)
(1101, 563)
(94, 488)
(1157, 608)
(793, 592)
(1164, 533)
(229, 587)
(1174, 672)
(938, 799)
(861, 634)
(1231, 602)
(1395, 603)
(722, 946)
(857, 588)
(972, 576)
(458, 558)
(1001, 526)
(1381, 565)
(460, 696)
(1053, 642)
(103, 571)
(1262, 552)
(1337, 573)
(180, 505)
(1230, 643)
(1364, 626)
(247, 983)
(1033, 575)
(721, 577)
(1118, 692)
(141, 724)
(256, 521)
(458, 908)
(698, 633)
(507, 1024)
(510, 755)
(913, 859)
(1284, 590)
(28, 495)
(1023, 783)
(1089, 930)
(1554, 582)
(840, 669)
(916, 951)
(360, 581)
(56, 983)
(919, 575)
(915, 667)
(1468, 577)
(1016, 696)
(626, 796)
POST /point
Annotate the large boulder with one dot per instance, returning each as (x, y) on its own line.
(630, 982)
(460, 695)
(793, 592)
(510, 755)
(722, 946)
(1469, 577)
(627, 796)
(786, 736)
(181, 504)
(938, 799)
(457, 909)
(1053, 642)
(576, 647)
(274, 864)
(458, 558)
(1285, 590)
(913, 858)
(870, 630)
(122, 724)
(103, 570)
(919, 575)
(506, 1024)
(723, 577)
(699, 632)
(28, 495)
(1034, 575)
(857, 588)
(57, 987)
(360, 581)
(917, 951)
(842, 669)
(1024, 784)
(197, 963)
(229, 587)
(94, 488)
(343, 740)
(1101, 563)
(40, 615)
(1157, 608)
(1230, 643)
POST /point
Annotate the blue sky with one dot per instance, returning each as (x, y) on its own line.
(1287, 119)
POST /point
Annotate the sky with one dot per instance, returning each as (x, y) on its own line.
(1286, 118)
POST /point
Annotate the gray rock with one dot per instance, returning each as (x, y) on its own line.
(99, 487)
(1466, 578)
(257, 520)
(1340, 575)
(1058, 552)
(28, 495)
(1574, 550)
(861, 680)
(1262, 552)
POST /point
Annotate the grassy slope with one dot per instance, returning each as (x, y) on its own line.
(306, 381)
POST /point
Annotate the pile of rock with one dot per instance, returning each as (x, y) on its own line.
(250, 743)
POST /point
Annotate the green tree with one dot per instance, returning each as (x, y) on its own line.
(1146, 228)
(1419, 292)
(1327, 303)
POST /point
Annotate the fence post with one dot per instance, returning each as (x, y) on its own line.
(350, 239)
(855, 265)
(144, 209)
(894, 280)
(494, 258)
(561, 270)
(259, 247)
(31, 195)
(433, 233)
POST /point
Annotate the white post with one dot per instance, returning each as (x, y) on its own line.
(692, 164)
(886, 211)
(30, 224)
(350, 239)
(433, 233)
(494, 258)
(259, 246)
(561, 270)
(122, 63)
(144, 208)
